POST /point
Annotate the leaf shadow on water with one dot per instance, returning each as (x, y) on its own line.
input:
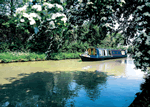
(50, 89)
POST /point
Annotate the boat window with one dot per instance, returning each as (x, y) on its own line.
(109, 52)
(104, 53)
(89, 51)
(93, 51)
(100, 53)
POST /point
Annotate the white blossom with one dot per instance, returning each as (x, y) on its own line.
(37, 7)
(64, 19)
(59, 6)
(104, 18)
(35, 15)
(14, 15)
(52, 24)
(89, 3)
(26, 15)
(21, 9)
(49, 5)
(54, 16)
(32, 21)
(123, 1)
(80, 1)
(22, 20)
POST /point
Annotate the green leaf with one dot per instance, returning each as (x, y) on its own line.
(147, 4)
(140, 7)
(148, 40)
(146, 14)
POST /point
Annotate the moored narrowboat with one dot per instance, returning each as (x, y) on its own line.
(96, 54)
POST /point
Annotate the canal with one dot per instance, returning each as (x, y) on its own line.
(69, 83)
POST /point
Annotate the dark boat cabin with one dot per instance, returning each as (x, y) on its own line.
(98, 53)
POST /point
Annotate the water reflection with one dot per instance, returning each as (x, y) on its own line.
(50, 89)
(90, 82)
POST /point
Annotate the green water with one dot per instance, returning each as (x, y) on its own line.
(69, 83)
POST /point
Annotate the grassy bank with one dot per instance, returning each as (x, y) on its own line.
(7, 57)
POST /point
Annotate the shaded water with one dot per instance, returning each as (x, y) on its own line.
(69, 83)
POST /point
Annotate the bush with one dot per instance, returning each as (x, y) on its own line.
(4, 47)
(74, 47)
(61, 56)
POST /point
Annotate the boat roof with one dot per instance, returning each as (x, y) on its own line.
(107, 49)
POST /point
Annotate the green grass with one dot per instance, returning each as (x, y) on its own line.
(7, 57)
(20, 56)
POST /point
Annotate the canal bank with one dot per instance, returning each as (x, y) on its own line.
(12, 57)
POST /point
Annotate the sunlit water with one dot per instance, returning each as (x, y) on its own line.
(69, 83)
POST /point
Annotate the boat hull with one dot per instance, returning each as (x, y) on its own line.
(84, 58)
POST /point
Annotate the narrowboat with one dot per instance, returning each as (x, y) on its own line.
(96, 54)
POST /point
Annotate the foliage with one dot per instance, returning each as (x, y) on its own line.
(74, 47)
(40, 26)
(91, 19)
(142, 38)
(90, 33)
(47, 22)
(113, 40)
(35, 26)
(60, 56)
(133, 22)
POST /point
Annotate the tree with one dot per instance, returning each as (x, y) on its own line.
(97, 13)
(45, 21)
(142, 40)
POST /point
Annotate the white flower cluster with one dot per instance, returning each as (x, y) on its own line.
(22, 20)
(48, 5)
(59, 6)
(22, 9)
(32, 16)
(123, 1)
(55, 15)
(89, 3)
(37, 7)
